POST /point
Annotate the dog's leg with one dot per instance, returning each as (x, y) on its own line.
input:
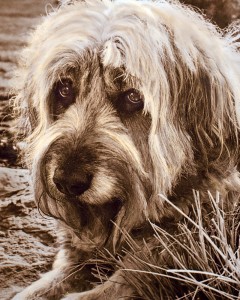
(113, 289)
(45, 288)
(67, 276)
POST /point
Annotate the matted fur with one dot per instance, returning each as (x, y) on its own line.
(185, 137)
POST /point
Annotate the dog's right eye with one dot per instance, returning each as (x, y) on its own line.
(65, 93)
(130, 101)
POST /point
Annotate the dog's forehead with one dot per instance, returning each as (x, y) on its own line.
(112, 30)
(95, 23)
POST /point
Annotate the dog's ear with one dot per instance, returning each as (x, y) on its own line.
(204, 102)
(24, 111)
(195, 107)
(207, 111)
(23, 108)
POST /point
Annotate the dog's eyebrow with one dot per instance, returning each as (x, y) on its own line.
(118, 80)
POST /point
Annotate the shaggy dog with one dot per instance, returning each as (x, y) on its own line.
(122, 102)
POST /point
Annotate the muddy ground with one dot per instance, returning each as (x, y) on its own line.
(27, 239)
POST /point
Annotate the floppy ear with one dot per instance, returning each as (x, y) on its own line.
(197, 99)
(206, 110)
(204, 83)
(23, 105)
(26, 114)
(197, 133)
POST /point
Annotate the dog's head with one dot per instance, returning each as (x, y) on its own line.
(123, 99)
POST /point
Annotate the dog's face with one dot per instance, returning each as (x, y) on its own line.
(95, 168)
(112, 95)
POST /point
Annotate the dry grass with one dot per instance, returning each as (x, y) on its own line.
(200, 261)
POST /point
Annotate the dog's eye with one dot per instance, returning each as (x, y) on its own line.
(65, 93)
(130, 101)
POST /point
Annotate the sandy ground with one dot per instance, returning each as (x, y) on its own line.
(27, 240)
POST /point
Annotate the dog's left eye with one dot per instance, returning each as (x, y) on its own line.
(130, 101)
(65, 93)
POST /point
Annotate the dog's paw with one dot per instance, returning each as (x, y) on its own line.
(74, 296)
(25, 296)
(30, 294)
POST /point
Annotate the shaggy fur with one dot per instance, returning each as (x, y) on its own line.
(123, 101)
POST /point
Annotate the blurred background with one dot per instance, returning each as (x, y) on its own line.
(17, 19)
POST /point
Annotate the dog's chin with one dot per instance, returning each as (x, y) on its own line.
(97, 223)
(91, 225)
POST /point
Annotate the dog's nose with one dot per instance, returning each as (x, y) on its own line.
(74, 183)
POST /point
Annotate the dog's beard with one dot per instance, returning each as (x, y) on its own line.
(91, 224)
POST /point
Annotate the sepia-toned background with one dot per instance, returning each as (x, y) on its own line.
(27, 239)
(27, 243)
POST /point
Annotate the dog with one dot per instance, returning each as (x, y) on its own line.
(122, 102)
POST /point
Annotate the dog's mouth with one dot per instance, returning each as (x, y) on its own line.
(96, 223)
(91, 223)
(105, 213)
